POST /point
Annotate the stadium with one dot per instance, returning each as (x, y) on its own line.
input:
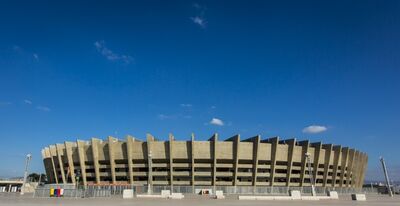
(232, 162)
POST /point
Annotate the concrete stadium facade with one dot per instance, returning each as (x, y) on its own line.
(232, 162)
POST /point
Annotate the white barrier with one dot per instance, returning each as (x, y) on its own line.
(127, 194)
(358, 197)
(219, 194)
(165, 193)
(333, 195)
(295, 194)
(176, 196)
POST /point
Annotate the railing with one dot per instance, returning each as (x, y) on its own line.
(112, 190)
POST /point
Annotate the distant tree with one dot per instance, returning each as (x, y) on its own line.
(35, 177)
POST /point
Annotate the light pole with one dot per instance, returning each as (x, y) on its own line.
(150, 174)
(40, 178)
(310, 173)
(28, 159)
(386, 177)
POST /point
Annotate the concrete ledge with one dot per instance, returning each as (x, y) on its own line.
(265, 198)
(149, 196)
(247, 197)
(283, 198)
(309, 198)
(325, 198)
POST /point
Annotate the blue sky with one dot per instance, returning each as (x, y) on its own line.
(75, 70)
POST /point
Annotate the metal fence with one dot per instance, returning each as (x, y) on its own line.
(113, 190)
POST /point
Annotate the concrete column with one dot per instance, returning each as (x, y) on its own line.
(256, 143)
(361, 160)
(357, 172)
(129, 152)
(328, 153)
(68, 151)
(317, 152)
(236, 156)
(344, 163)
(95, 154)
(53, 154)
(49, 165)
(274, 149)
(111, 154)
(150, 139)
(171, 159)
(305, 146)
(214, 142)
(355, 169)
(364, 169)
(192, 158)
(81, 154)
(291, 143)
(60, 153)
(349, 167)
(358, 169)
(338, 151)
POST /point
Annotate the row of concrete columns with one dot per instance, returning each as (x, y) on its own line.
(347, 160)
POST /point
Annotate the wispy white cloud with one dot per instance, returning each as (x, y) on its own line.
(186, 105)
(35, 56)
(5, 103)
(199, 21)
(216, 121)
(173, 116)
(111, 55)
(43, 108)
(314, 129)
(163, 116)
(26, 101)
(17, 48)
(25, 53)
(197, 6)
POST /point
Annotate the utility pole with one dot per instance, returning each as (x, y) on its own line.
(28, 159)
(386, 177)
(310, 173)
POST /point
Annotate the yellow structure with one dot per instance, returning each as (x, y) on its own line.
(232, 162)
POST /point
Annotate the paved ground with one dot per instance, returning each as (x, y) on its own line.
(188, 201)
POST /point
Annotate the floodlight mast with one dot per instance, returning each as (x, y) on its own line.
(310, 173)
(27, 161)
(386, 177)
